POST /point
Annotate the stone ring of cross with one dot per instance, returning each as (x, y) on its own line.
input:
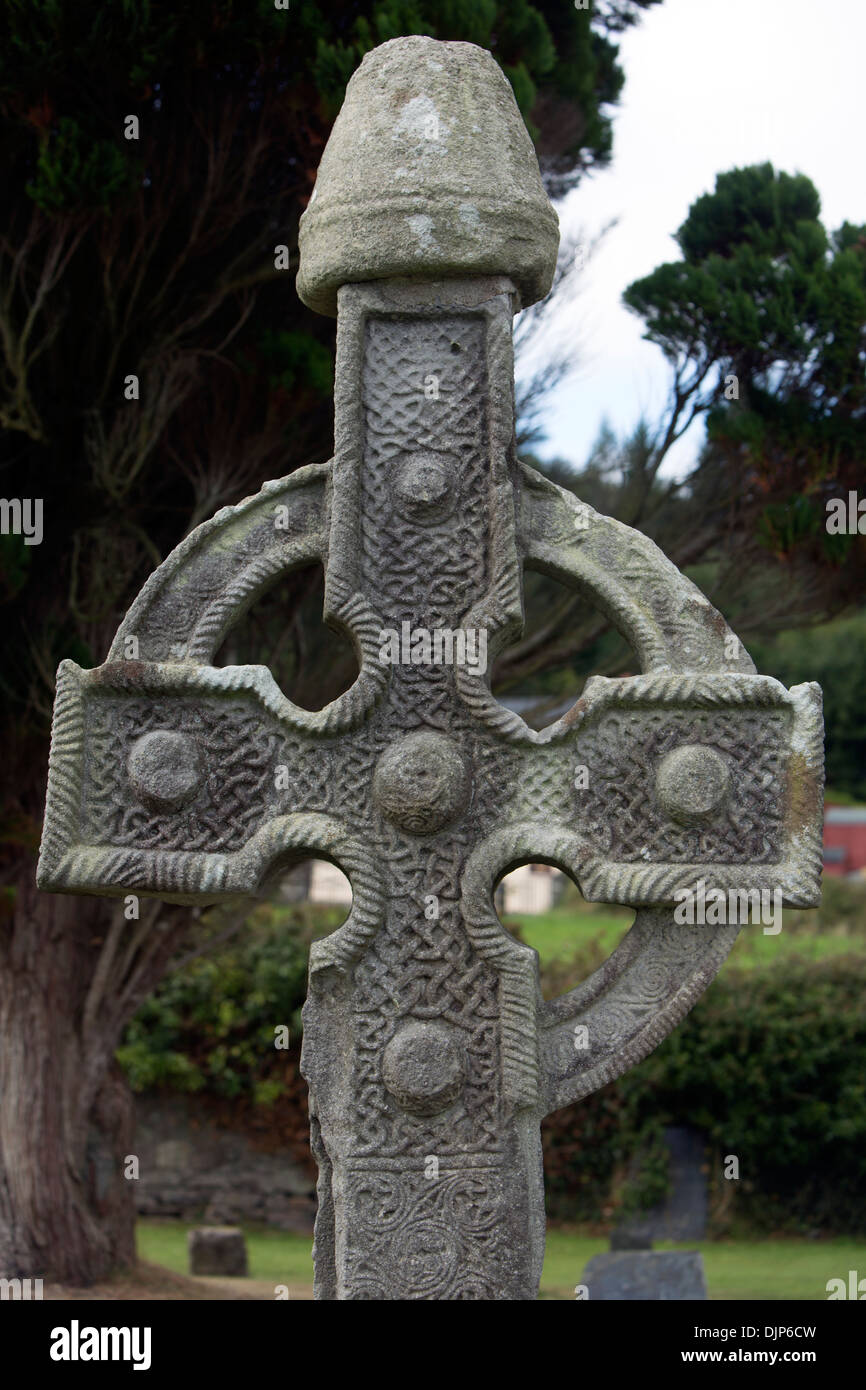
(430, 1054)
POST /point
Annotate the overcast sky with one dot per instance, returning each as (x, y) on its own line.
(709, 85)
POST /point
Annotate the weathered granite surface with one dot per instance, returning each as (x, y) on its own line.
(427, 172)
(430, 1053)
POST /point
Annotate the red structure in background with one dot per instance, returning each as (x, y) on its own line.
(844, 840)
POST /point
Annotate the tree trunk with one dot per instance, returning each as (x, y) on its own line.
(66, 1114)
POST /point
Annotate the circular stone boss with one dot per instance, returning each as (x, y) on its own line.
(424, 487)
(423, 1068)
(693, 782)
(422, 782)
(165, 769)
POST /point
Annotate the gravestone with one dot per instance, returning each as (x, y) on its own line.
(683, 1213)
(658, 1276)
(430, 1054)
(628, 1272)
(217, 1250)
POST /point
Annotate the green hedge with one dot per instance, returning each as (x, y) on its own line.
(770, 1065)
(210, 1027)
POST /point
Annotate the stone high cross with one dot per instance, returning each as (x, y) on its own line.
(430, 1054)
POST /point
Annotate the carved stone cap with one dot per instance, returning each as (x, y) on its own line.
(429, 172)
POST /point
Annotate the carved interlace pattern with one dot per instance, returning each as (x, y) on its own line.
(621, 815)
(424, 390)
(240, 752)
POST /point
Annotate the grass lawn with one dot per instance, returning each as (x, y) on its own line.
(760, 1269)
(558, 935)
(278, 1256)
(575, 932)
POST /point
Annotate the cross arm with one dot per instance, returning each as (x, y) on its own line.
(697, 774)
(174, 778)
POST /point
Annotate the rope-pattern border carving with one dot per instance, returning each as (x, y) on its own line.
(516, 964)
(180, 876)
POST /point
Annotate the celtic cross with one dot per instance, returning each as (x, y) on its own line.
(430, 1054)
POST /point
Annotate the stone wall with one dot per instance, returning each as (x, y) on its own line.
(192, 1168)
